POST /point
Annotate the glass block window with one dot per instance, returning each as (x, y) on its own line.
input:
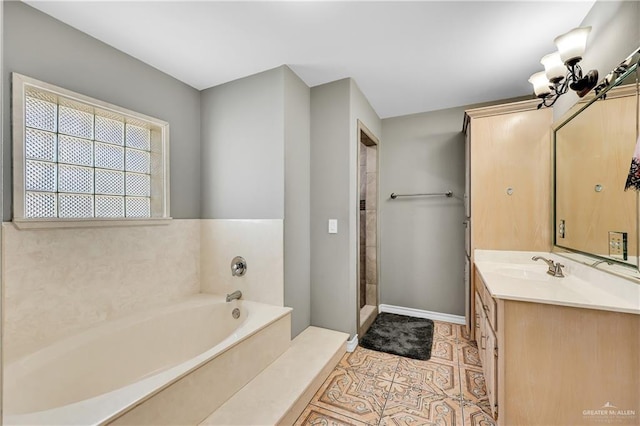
(84, 159)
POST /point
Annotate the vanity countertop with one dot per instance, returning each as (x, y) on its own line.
(513, 275)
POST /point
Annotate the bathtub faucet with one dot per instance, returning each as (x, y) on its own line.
(233, 296)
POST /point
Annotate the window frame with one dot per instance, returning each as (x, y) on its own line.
(160, 194)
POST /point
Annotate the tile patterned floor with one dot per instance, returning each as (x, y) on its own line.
(375, 388)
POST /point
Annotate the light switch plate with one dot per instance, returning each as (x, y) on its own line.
(618, 245)
(333, 226)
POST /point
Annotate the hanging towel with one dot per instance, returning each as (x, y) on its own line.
(633, 179)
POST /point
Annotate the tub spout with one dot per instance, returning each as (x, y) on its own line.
(233, 296)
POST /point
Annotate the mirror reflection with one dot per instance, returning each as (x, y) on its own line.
(594, 214)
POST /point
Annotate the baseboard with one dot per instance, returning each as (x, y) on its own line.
(352, 343)
(419, 313)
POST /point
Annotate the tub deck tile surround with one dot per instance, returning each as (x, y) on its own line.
(280, 393)
(375, 388)
(194, 396)
(181, 385)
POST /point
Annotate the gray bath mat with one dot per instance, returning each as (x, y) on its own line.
(400, 335)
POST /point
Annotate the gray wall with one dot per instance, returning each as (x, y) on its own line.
(41, 47)
(256, 149)
(243, 148)
(335, 109)
(360, 111)
(3, 142)
(297, 201)
(330, 305)
(2, 111)
(422, 239)
(615, 34)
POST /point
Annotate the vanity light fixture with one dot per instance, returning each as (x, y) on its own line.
(562, 70)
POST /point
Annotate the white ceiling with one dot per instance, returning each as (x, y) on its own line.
(407, 57)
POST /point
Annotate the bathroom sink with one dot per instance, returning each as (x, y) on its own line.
(523, 274)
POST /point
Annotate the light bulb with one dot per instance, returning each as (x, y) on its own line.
(540, 84)
(572, 45)
(553, 67)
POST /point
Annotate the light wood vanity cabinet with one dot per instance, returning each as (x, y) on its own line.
(486, 326)
(507, 186)
(547, 364)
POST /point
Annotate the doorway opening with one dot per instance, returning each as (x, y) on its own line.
(368, 229)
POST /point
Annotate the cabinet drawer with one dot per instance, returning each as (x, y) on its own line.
(488, 302)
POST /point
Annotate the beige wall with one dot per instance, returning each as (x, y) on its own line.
(60, 281)
(260, 242)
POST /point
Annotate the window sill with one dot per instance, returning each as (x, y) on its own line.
(87, 223)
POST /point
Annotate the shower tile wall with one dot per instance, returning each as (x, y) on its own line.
(368, 225)
(363, 223)
(371, 272)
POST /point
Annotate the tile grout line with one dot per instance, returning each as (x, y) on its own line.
(458, 342)
(395, 372)
(455, 340)
(336, 413)
(476, 401)
(373, 377)
(327, 409)
(459, 354)
(319, 407)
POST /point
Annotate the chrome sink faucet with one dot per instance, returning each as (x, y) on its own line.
(555, 269)
(234, 296)
(597, 262)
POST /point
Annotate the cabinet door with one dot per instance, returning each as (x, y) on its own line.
(490, 369)
(467, 294)
(479, 327)
(510, 181)
(467, 174)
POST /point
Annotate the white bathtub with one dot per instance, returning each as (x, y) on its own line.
(173, 365)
